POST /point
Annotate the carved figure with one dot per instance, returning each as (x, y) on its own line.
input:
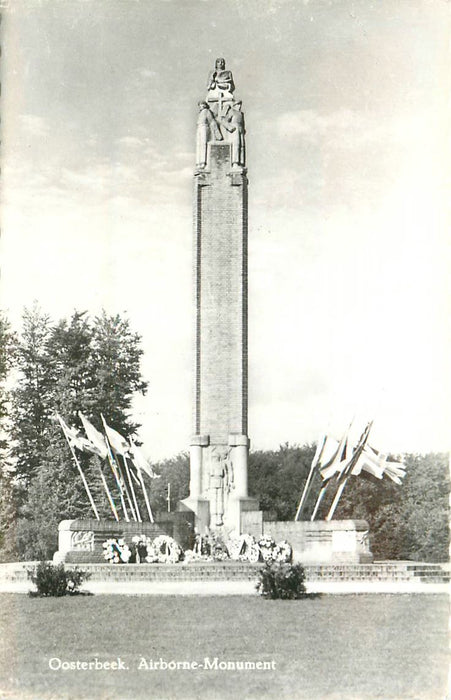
(234, 124)
(221, 78)
(207, 129)
(219, 484)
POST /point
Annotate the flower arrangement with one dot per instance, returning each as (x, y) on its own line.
(164, 550)
(141, 545)
(243, 548)
(283, 552)
(191, 555)
(267, 547)
(116, 551)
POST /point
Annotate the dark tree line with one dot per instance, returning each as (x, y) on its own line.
(406, 522)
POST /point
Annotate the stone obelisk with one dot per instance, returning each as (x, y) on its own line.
(220, 444)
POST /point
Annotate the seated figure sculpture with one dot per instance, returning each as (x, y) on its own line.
(221, 78)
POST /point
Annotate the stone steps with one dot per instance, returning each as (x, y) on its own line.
(238, 571)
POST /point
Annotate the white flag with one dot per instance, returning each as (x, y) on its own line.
(116, 440)
(140, 461)
(97, 440)
(73, 437)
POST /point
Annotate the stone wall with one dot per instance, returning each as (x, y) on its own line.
(318, 542)
(80, 541)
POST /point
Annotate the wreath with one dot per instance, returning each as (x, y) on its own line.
(141, 545)
(244, 548)
(164, 550)
(283, 552)
(267, 548)
(116, 551)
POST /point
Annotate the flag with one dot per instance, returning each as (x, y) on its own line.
(73, 437)
(333, 459)
(140, 461)
(357, 451)
(96, 439)
(116, 440)
(377, 464)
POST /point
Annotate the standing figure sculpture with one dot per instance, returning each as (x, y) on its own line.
(207, 130)
(220, 484)
(234, 124)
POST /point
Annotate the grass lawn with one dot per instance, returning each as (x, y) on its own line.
(340, 647)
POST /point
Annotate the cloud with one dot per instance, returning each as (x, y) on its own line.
(33, 125)
(348, 128)
(131, 141)
(146, 73)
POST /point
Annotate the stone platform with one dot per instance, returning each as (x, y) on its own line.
(80, 541)
(321, 542)
(239, 578)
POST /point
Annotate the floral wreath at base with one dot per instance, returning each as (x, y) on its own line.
(243, 548)
(267, 548)
(164, 550)
(283, 552)
(141, 544)
(210, 547)
(116, 551)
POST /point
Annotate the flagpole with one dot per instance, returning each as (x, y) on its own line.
(319, 499)
(146, 497)
(308, 483)
(336, 498)
(124, 487)
(118, 466)
(346, 473)
(85, 483)
(114, 469)
(127, 469)
(139, 471)
(109, 496)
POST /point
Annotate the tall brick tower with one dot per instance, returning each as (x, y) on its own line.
(220, 444)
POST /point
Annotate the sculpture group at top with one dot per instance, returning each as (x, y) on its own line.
(220, 117)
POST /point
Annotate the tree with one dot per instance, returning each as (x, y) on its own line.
(32, 397)
(408, 521)
(74, 365)
(276, 478)
(6, 360)
(115, 361)
(173, 471)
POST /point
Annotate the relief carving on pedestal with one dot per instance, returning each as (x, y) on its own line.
(82, 541)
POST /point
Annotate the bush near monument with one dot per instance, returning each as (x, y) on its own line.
(282, 580)
(56, 581)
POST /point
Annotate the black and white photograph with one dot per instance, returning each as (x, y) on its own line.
(225, 424)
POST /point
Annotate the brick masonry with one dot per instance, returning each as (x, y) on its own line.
(220, 274)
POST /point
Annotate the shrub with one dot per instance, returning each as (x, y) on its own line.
(282, 580)
(56, 581)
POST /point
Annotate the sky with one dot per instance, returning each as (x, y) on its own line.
(347, 112)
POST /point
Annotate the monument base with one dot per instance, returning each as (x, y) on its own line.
(324, 542)
(81, 541)
(242, 515)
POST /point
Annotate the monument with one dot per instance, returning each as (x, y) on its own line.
(218, 500)
(220, 443)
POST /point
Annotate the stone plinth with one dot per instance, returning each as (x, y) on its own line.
(80, 541)
(321, 542)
